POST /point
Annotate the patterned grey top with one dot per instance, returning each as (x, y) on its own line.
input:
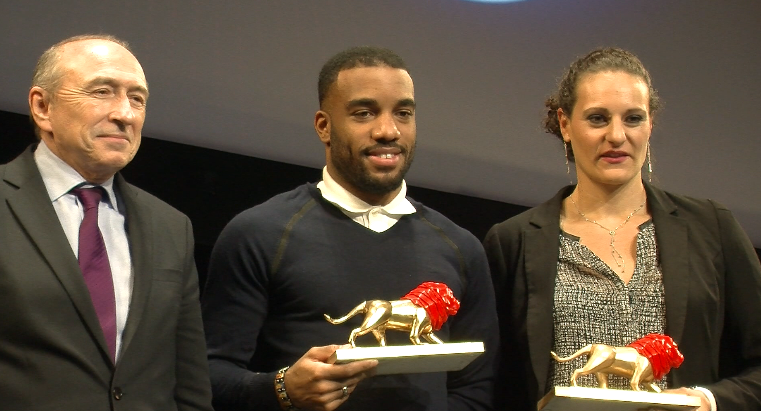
(593, 305)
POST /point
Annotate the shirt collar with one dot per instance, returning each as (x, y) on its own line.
(341, 197)
(60, 178)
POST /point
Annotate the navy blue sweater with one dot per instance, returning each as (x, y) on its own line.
(278, 267)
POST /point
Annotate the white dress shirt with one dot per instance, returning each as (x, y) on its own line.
(376, 218)
(59, 179)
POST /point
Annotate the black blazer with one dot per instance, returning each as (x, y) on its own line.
(712, 281)
(52, 352)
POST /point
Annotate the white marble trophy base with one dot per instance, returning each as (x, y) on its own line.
(600, 399)
(407, 359)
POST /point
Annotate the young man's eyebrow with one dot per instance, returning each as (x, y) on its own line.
(407, 102)
(361, 102)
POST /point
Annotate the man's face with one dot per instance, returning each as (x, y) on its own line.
(94, 119)
(367, 123)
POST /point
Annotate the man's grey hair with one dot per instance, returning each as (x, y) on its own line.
(47, 72)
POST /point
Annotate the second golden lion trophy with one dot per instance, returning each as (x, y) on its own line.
(419, 313)
(643, 362)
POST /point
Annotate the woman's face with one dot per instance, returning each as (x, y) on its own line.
(609, 127)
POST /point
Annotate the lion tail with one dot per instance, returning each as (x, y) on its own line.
(356, 310)
(583, 351)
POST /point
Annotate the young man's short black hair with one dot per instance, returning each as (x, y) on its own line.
(362, 56)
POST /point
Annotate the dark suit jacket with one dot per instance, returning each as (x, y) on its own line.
(712, 281)
(52, 352)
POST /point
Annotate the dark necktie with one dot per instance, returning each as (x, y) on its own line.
(93, 260)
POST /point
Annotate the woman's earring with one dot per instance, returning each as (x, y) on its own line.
(649, 165)
(567, 164)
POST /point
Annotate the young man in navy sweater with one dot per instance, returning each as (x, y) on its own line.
(323, 248)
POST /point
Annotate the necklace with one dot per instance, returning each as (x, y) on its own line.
(617, 257)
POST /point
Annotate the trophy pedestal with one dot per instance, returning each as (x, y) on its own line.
(408, 359)
(600, 399)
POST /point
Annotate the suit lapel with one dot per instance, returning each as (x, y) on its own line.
(139, 226)
(672, 238)
(541, 254)
(31, 205)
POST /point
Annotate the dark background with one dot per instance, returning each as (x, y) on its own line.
(212, 186)
(240, 76)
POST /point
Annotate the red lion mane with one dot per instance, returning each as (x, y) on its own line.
(436, 299)
(661, 351)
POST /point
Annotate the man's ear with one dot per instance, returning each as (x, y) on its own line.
(39, 107)
(322, 126)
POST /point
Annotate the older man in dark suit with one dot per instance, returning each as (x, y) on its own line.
(98, 286)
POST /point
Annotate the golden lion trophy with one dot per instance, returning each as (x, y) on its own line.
(642, 362)
(419, 313)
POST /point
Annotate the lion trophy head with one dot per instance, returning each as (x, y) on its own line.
(661, 351)
(437, 299)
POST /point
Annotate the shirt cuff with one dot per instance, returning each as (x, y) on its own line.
(708, 394)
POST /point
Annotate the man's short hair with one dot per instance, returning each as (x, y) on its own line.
(362, 56)
(47, 74)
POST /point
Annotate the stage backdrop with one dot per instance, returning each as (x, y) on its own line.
(212, 186)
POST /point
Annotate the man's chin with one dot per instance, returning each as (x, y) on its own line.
(114, 161)
(385, 185)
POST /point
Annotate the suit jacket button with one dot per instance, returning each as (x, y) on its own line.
(117, 393)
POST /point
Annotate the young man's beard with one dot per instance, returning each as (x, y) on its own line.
(354, 171)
